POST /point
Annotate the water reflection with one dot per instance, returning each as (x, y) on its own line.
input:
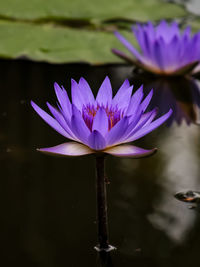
(177, 175)
(104, 259)
(180, 94)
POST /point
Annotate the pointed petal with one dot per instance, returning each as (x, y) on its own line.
(162, 29)
(157, 54)
(100, 122)
(68, 149)
(152, 126)
(86, 91)
(123, 96)
(144, 120)
(144, 36)
(115, 134)
(78, 126)
(173, 53)
(124, 86)
(135, 101)
(129, 151)
(104, 96)
(137, 124)
(147, 100)
(96, 141)
(49, 120)
(174, 29)
(186, 33)
(77, 96)
(148, 117)
(60, 119)
(128, 45)
(64, 101)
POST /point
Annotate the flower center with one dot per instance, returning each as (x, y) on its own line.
(113, 113)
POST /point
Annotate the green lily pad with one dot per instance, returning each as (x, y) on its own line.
(89, 9)
(73, 31)
(56, 44)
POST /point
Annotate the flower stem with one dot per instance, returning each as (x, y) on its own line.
(102, 219)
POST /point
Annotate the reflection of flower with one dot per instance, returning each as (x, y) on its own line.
(101, 124)
(164, 50)
(181, 94)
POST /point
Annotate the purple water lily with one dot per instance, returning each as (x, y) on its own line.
(102, 124)
(164, 49)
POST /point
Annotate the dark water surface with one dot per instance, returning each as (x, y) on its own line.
(47, 204)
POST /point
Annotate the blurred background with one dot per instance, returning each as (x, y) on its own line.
(47, 204)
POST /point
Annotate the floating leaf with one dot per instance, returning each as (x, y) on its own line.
(90, 9)
(70, 31)
(55, 44)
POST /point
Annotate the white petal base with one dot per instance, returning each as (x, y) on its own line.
(73, 149)
(70, 149)
(129, 151)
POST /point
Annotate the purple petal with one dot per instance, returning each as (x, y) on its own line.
(133, 120)
(64, 101)
(116, 133)
(128, 45)
(86, 91)
(149, 128)
(121, 91)
(104, 96)
(162, 29)
(123, 96)
(50, 120)
(148, 117)
(186, 33)
(158, 56)
(78, 125)
(96, 141)
(60, 119)
(68, 149)
(100, 122)
(77, 98)
(129, 151)
(146, 101)
(173, 53)
(174, 29)
(147, 45)
(151, 30)
(142, 37)
(135, 101)
(137, 124)
(164, 54)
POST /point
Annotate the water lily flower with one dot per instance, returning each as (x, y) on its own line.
(101, 125)
(164, 49)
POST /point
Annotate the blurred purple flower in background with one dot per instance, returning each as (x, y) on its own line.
(164, 49)
(101, 124)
